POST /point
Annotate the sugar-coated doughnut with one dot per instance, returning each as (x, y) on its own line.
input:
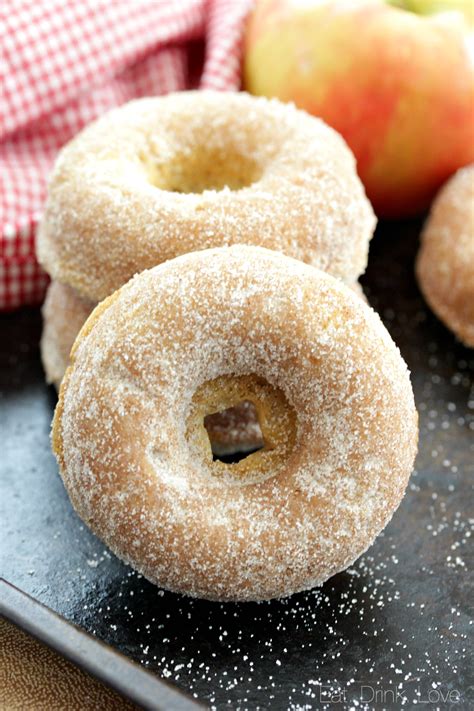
(64, 314)
(163, 176)
(445, 265)
(202, 333)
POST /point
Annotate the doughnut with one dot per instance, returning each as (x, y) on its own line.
(445, 264)
(163, 176)
(64, 314)
(202, 333)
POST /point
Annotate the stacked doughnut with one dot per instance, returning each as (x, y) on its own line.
(227, 209)
(199, 334)
(160, 177)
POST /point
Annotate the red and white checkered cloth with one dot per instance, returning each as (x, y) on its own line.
(67, 61)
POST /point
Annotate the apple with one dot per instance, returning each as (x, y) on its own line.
(429, 7)
(398, 85)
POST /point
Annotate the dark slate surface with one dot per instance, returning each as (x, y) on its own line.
(397, 622)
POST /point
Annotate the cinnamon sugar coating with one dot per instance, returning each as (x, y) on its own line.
(125, 425)
(64, 314)
(160, 177)
(445, 264)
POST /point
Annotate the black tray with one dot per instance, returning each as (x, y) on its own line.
(394, 626)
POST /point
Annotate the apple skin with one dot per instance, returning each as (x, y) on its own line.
(398, 86)
(429, 7)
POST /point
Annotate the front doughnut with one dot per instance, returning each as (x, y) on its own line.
(202, 333)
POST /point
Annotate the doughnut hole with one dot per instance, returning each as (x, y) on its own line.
(276, 419)
(195, 156)
(234, 433)
(203, 168)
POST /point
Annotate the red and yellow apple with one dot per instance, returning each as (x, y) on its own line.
(397, 84)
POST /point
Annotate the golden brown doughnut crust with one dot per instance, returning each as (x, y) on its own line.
(126, 429)
(445, 265)
(164, 176)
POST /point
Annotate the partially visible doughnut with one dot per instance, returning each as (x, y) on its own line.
(64, 314)
(445, 265)
(202, 333)
(234, 429)
(163, 176)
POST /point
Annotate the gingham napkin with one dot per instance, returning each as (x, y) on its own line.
(67, 61)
